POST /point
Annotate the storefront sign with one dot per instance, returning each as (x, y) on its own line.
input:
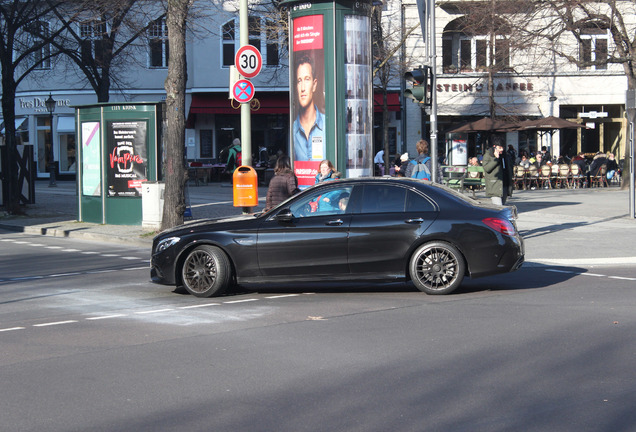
(37, 104)
(483, 87)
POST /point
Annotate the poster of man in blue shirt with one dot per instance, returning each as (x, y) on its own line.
(309, 126)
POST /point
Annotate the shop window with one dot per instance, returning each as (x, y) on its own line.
(158, 44)
(205, 136)
(593, 48)
(93, 43)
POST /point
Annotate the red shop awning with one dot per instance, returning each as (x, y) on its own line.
(392, 101)
(218, 103)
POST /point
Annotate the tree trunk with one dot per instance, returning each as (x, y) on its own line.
(11, 199)
(174, 169)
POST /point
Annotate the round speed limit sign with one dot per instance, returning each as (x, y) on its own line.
(248, 61)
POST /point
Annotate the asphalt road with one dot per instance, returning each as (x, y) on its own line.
(96, 346)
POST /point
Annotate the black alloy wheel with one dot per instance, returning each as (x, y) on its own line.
(206, 271)
(437, 268)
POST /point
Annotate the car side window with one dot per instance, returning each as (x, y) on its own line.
(323, 202)
(383, 199)
(417, 203)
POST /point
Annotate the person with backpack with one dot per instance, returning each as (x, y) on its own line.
(234, 158)
(420, 166)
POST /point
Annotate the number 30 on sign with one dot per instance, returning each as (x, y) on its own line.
(248, 61)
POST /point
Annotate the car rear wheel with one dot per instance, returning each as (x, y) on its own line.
(206, 271)
(437, 268)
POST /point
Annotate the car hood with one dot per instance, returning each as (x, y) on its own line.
(207, 224)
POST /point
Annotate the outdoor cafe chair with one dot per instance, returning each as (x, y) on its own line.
(577, 178)
(520, 177)
(545, 176)
(600, 179)
(563, 176)
(532, 176)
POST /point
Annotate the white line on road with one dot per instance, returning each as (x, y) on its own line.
(240, 301)
(105, 317)
(593, 274)
(282, 296)
(11, 329)
(199, 306)
(54, 323)
(622, 278)
(155, 311)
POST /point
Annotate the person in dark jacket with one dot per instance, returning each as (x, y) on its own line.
(498, 173)
(283, 185)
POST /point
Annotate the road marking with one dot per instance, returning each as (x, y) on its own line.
(130, 258)
(54, 247)
(592, 274)
(26, 278)
(36, 244)
(70, 250)
(105, 317)
(109, 255)
(560, 271)
(282, 296)
(65, 274)
(240, 301)
(55, 323)
(11, 329)
(154, 311)
(199, 306)
(90, 253)
(622, 278)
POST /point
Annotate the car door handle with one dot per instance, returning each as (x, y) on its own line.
(415, 221)
(335, 222)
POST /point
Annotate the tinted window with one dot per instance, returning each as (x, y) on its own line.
(322, 202)
(383, 199)
(417, 203)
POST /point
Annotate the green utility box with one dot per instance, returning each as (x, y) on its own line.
(120, 150)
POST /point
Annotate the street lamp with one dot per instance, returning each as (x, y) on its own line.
(50, 107)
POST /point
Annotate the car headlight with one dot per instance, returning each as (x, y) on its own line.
(166, 243)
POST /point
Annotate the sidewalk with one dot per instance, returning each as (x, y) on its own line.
(587, 227)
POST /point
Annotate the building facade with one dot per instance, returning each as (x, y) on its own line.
(532, 85)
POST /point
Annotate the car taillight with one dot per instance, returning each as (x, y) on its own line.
(503, 226)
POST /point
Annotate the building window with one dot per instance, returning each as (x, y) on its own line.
(466, 51)
(593, 48)
(262, 33)
(42, 57)
(158, 43)
(92, 46)
(228, 42)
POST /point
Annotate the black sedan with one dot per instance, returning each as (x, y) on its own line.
(358, 229)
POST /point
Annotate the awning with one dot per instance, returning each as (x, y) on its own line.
(66, 124)
(218, 103)
(392, 101)
(21, 125)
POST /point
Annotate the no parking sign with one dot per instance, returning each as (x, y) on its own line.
(243, 91)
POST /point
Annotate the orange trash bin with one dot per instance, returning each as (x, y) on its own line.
(245, 182)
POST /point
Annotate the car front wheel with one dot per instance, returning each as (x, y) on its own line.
(437, 268)
(206, 271)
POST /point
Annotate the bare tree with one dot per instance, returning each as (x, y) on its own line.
(176, 174)
(565, 28)
(101, 36)
(24, 47)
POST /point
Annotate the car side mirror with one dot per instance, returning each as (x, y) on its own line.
(285, 215)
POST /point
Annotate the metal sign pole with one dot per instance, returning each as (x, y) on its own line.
(246, 119)
(630, 107)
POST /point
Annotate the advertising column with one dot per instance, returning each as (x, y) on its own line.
(331, 96)
(357, 75)
(308, 89)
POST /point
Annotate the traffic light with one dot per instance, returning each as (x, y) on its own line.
(422, 80)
